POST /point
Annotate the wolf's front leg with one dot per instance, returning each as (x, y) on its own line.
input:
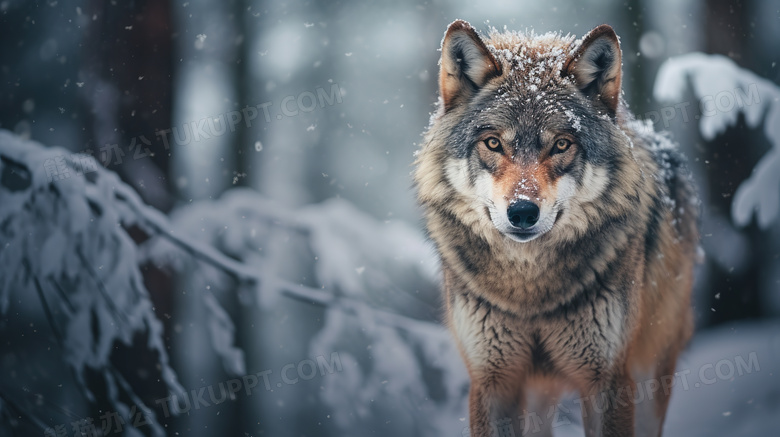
(608, 410)
(657, 388)
(493, 409)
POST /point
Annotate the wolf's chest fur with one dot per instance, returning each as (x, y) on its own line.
(577, 345)
(555, 311)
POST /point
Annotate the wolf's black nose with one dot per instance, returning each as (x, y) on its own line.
(523, 214)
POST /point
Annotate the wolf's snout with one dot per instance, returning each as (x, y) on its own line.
(523, 214)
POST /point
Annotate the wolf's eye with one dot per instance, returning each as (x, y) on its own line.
(561, 145)
(493, 144)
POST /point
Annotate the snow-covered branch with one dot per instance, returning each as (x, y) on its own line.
(64, 238)
(725, 91)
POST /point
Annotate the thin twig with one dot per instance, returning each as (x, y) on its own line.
(52, 323)
(196, 249)
(63, 296)
(155, 221)
(22, 412)
(100, 286)
(115, 373)
(44, 303)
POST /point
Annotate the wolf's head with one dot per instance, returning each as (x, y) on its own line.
(528, 125)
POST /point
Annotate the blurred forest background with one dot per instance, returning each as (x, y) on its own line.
(324, 104)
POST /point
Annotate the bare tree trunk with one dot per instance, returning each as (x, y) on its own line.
(729, 160)
(204, 161)
(126, 79)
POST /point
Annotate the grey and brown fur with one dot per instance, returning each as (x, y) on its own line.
(596, 294)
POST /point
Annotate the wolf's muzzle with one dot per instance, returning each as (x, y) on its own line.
(523, 214)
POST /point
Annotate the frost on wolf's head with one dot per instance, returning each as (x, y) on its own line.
(713, 77)
(538, 58)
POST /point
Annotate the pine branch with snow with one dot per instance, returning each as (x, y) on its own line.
(713, 77)
(64, 239)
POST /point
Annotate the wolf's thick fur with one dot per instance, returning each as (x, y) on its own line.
(587, 287)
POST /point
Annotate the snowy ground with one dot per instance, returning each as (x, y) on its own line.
(746, 404)
(731, 385)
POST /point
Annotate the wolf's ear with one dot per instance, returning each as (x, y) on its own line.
(466, 64)
(596, 66)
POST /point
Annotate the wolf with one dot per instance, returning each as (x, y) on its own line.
(566, 229)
